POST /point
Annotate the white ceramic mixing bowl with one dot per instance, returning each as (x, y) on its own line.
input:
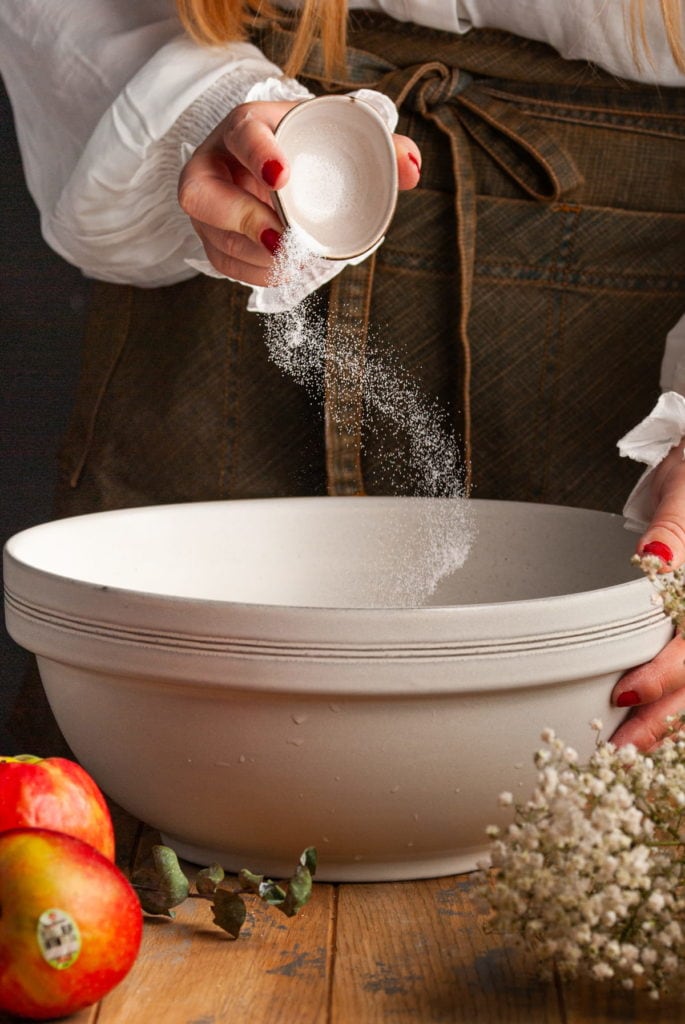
(227, 672)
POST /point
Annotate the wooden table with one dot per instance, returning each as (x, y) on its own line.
(357, 954)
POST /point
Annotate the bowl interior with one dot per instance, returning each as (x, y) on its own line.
(342, 188)
(338, 552)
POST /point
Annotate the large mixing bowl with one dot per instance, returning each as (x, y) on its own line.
(230, 672)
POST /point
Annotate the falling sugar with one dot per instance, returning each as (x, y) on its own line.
(421, 550)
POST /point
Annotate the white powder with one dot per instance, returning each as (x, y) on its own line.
(435, 542)
(319, 187)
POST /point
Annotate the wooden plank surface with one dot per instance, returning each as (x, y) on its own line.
(189, 972)
(418, 952)
(587, 1003)
(357, 954)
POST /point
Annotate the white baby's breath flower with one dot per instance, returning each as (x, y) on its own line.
(591, 872)
(669, 588)
(627, 754)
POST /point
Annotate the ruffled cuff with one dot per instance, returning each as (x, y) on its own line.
(650, 442)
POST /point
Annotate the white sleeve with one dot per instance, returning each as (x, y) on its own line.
(652, 439)
(447, 15)
(118, 217)
(122, 99)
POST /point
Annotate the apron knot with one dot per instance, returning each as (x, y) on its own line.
(432, 85)
(457, 102)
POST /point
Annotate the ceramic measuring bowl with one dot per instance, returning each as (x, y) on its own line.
(342, 189)
(228, 672)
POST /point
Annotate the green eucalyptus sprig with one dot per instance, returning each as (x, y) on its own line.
(163, 885)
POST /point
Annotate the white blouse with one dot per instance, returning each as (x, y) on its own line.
(110, 99)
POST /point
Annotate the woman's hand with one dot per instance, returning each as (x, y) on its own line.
(657, 690)
(225, 189)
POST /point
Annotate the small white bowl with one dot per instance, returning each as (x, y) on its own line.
(228, 673)
(342, 189)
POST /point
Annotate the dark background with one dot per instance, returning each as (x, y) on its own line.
(42, 304)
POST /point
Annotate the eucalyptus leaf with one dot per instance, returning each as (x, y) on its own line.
(208, 878)
(229, 911)
(153, 896)
(271, 893)
(163, 885)
(249, 880)
(308, 859)
(299, 891)
(166, 863)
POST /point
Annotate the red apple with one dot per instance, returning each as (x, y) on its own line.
(54, 793)
(70, 924)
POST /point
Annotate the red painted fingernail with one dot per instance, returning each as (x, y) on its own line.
(658, 548)
(415, 161)
(271, 240)
(271, 171)
(627, 699)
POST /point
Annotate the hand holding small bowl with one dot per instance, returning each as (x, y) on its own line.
(227, 186)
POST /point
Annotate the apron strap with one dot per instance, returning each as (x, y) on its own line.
(110, 312)
(346, 336)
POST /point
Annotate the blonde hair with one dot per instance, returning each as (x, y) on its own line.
(214, 22)
(672, 15)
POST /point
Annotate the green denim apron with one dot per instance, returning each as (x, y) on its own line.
(527, 286)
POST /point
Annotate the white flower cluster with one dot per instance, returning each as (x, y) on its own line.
(670, 588)
(590, 876)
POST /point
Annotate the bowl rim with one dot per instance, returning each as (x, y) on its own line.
(70, 599)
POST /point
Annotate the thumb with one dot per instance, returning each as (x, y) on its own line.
(665, 535)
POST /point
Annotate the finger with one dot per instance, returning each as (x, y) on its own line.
(237, 269)
(645, 684)
(408, 162)
(235, 246)
(208, 196)
(647, 726)
(665, 536)
(249, 135)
